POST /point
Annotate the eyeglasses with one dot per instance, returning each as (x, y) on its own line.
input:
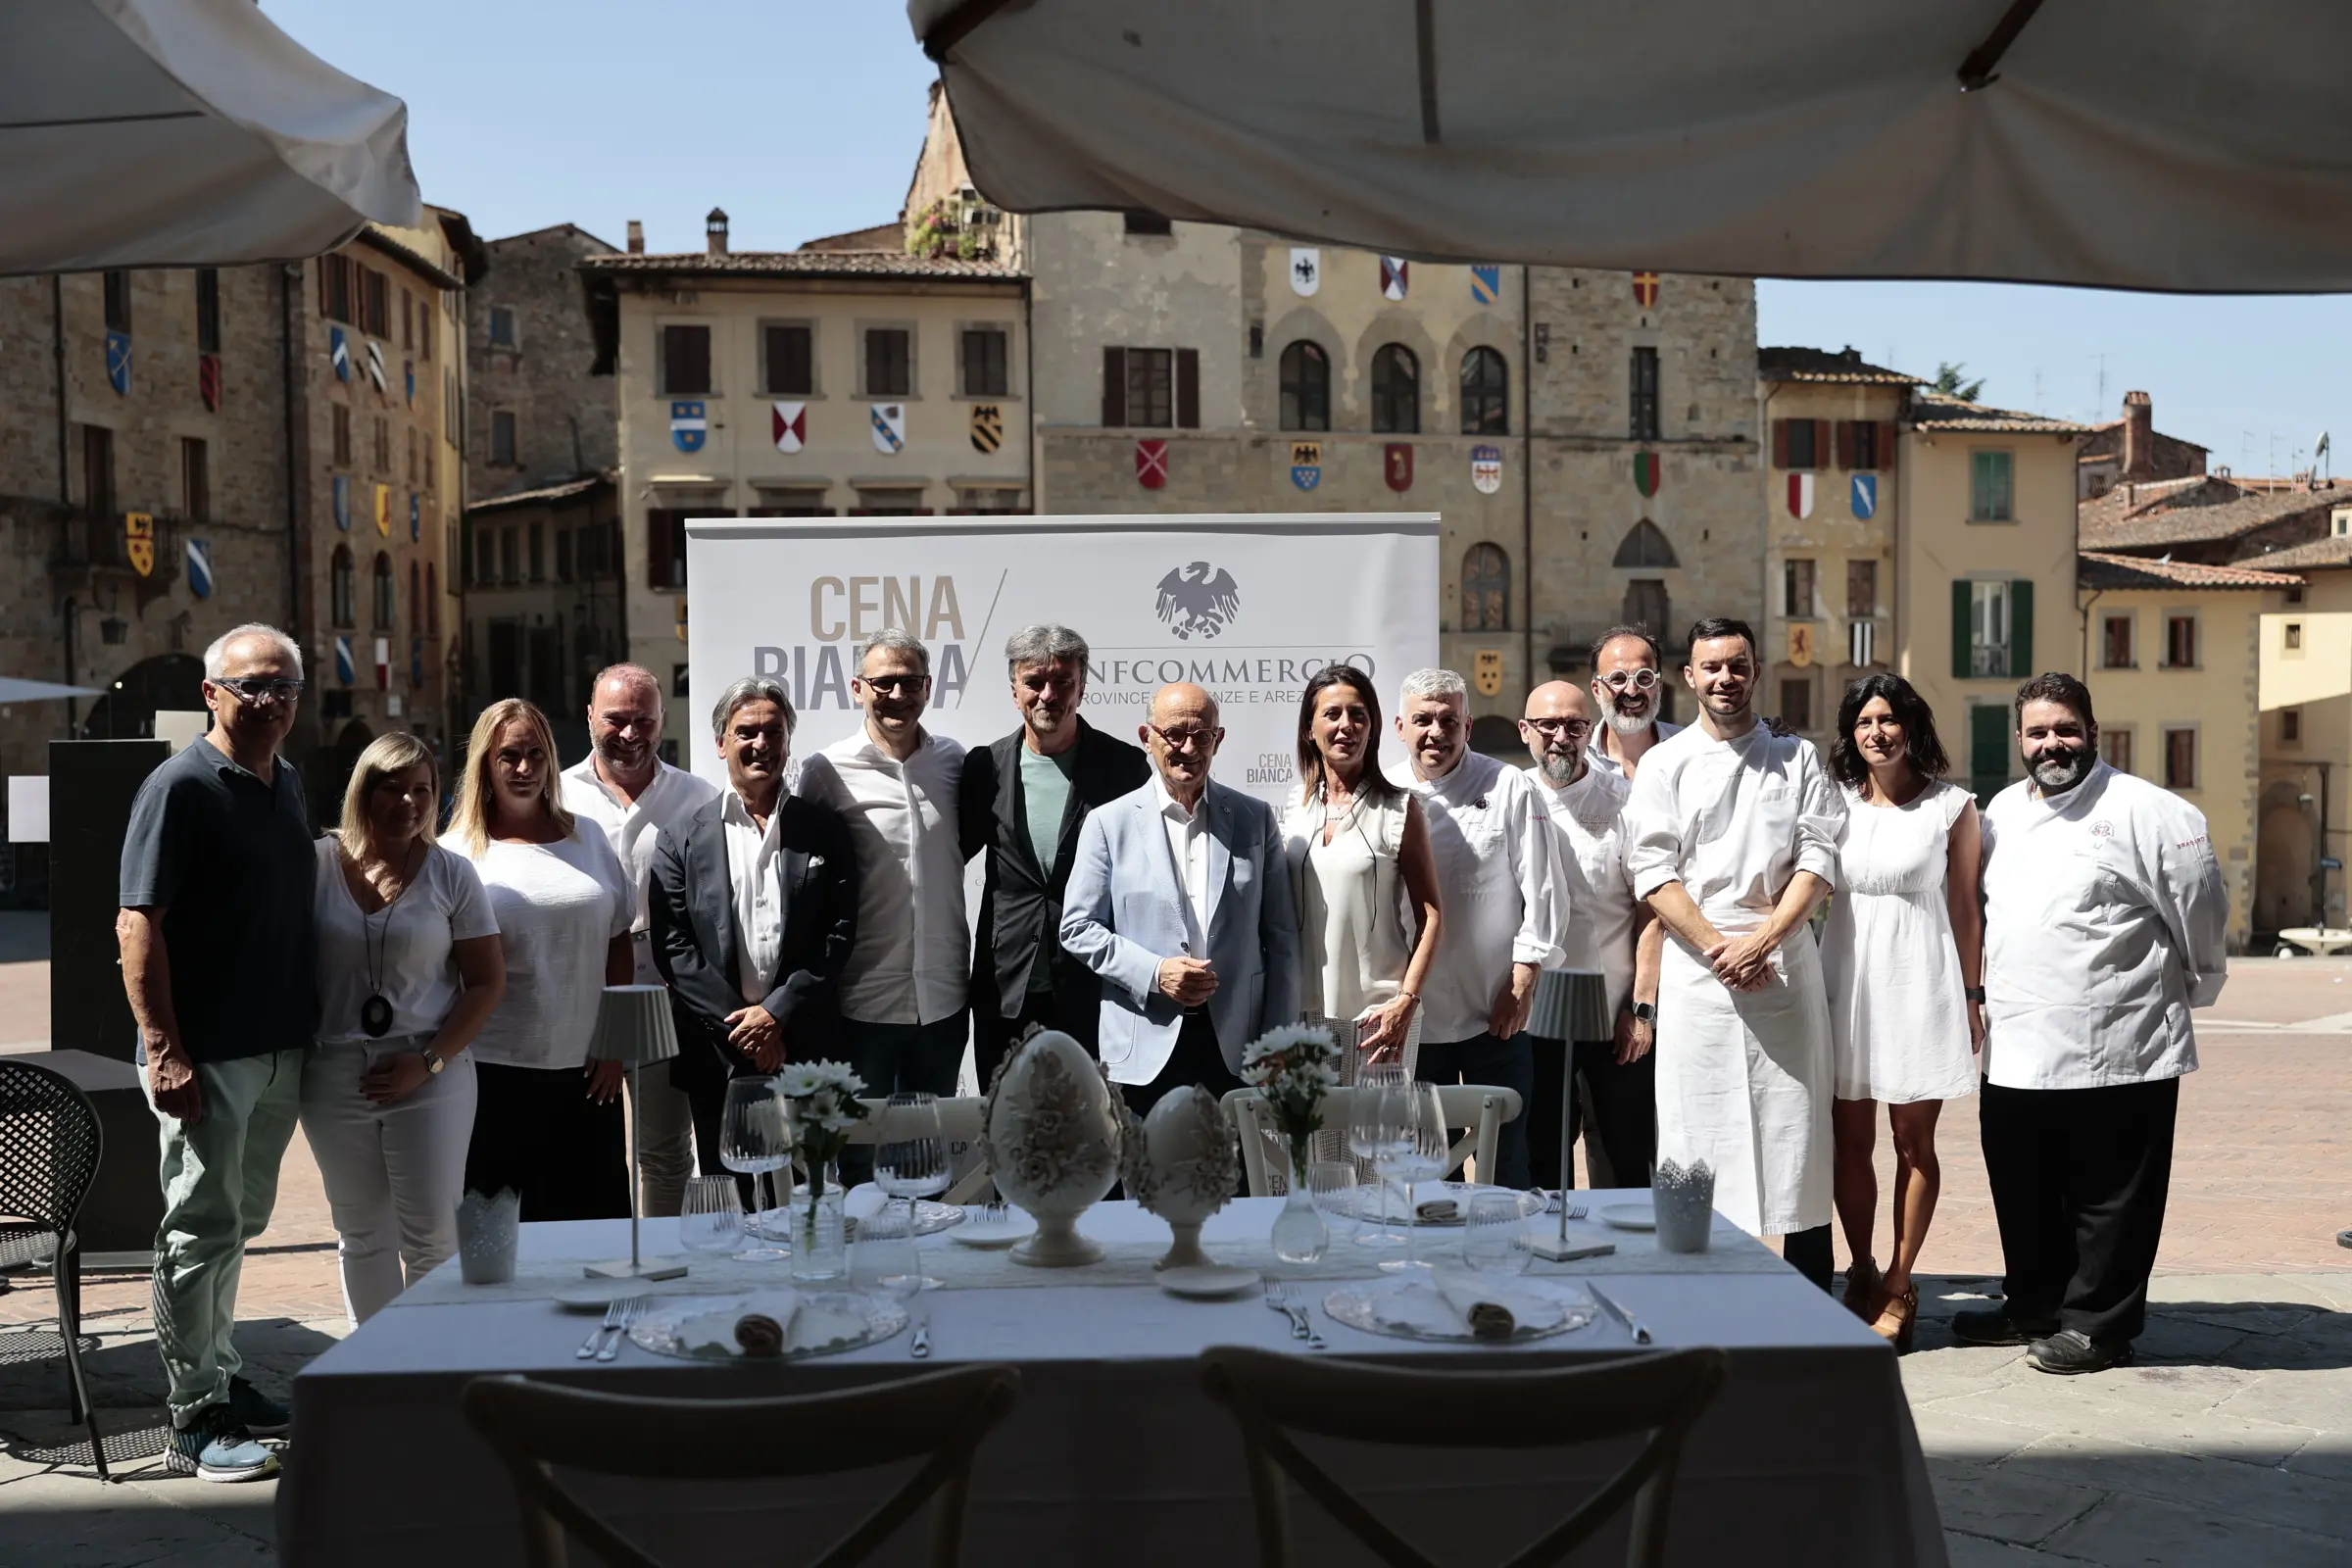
(892, 685)
(261, 688)
(1576, 729)
(1641, 680)
(1184, 739)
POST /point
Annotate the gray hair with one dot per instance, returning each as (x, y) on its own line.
(752, 689)
(1437, 683)
(1043, 644)
(905, 641)
(215, 656)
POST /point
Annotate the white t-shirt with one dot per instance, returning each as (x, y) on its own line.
(409, 944)
(558, 906)
(672, 797)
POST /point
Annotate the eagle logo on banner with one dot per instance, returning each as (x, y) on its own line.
(138, 541)
(988, 427)
(1198, 600)
(208, 380)
(1485, 285)
(1645, 289)
(1800, 495)
(1486, 469)
(688, 426)
(1397, 465)
(345, 672)
(1306, 464)
(890, 428)
(1307, 271)
(117, 360)
(1152, 464)
(338, 352)
(1866, 495)
(1645, 473)
(200, 568)
(789, 423)
(1395, 276)
(375, 364)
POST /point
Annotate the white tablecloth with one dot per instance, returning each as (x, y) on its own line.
(1113, 1455)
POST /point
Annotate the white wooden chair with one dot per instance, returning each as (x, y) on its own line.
(1481, 1107)
(960, 1119)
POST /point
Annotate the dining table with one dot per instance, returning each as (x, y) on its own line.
(1113, 1455)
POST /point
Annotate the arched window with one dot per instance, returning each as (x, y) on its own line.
(1305, 387)
(1486, 589)
(386, 610)
(1396, 391)
(1486, 393)
(342, 593)
(415, 599)
(1644, 546)
(432, 600)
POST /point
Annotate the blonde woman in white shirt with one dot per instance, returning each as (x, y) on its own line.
(548, 1124)
(408, 969)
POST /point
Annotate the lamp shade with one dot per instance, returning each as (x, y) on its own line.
(633, 1027)
(1571, 1004)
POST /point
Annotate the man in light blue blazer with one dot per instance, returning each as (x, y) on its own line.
(1180, 899)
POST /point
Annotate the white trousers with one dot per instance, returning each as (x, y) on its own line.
(666, 1141)
(393, 1173)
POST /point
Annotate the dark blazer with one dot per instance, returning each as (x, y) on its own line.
(692, 909)
(1020, 907)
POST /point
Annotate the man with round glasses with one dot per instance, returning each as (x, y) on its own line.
(1628, 685)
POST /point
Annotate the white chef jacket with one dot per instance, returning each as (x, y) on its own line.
(1590, 817)
(632, 829)
(1597, 750)
(754, 875)
(2105, 921)
(1188, 850)
(1499, 885)
(912, 959)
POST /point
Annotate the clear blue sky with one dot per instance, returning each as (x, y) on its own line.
(802, 117)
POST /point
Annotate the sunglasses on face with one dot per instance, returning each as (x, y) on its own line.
(892, 685)
(261, 688)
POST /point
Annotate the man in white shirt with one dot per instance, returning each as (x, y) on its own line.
(1628, 682)
(625, 787)
(1734, 842)
(2105, 921)
(1608, 930)
(1504, 894)
(894, 784)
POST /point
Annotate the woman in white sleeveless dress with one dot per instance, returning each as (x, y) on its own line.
(1366, 876)
(1903, 956)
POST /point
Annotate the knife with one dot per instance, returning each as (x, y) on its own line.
(1631, 1325)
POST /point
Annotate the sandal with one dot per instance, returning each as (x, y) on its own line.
(1862, 1289)
(1898, 1318)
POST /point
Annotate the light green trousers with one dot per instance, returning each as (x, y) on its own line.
(219, 1183)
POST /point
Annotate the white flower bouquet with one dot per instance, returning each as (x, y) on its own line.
(822, 1096)
(1294, 1066)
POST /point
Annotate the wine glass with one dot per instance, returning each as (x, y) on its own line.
(1414, 1150)
(1367, 1135)
(754, 1141)
(710, 1215)
(886, 1260)
(910, 1154)
(1493, 1235)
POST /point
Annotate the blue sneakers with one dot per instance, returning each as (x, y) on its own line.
(216, 1447)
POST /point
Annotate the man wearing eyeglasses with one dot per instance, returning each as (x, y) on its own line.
(894, 783)
(1179, 898)
(219, 961)
(1629, 684)
(1608, 931)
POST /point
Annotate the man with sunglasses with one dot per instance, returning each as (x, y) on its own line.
(219, 961)
(1629, 684)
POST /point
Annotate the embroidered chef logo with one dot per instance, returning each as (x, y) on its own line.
(1198, 600)
(2102, 829)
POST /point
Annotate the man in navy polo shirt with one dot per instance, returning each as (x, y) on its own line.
(221, 963)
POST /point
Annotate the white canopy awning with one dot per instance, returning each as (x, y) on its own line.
(13, 690)
(183, 133)
(2155, 144)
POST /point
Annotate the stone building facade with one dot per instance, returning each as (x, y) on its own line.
(544, 589)
(537, 415)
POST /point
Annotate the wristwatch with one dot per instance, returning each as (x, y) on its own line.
(1646, 1012)
(432, 1060)
(1974, 993)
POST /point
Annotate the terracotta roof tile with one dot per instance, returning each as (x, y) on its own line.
(1936, 410)
(2317, 555)
(2144, 527)
(800, 264)
(2099, 569)
(1820, 365)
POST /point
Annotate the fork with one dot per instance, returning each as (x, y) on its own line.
(630, 1310)
(610, 1324)
(1295, 1302)
(1278, 1299)
(1576, 1211)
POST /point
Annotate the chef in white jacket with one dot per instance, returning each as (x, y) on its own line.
(1733, 844)
(2105, 922)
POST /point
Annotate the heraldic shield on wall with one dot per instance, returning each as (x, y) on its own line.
(890, 428)
(1152, 464)
(988, 427)
(1306, 464)
(1486, 469)
(689, 427)
(788, 423)
(1397, 465)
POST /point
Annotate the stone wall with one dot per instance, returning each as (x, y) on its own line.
(565, 421)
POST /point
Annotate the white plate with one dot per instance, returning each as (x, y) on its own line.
(1207, 1282)
(593, 1295)
(847, 1319)
(1364, 1202)
(1016, 1229)
(1358, 1304)
(1630, 1216)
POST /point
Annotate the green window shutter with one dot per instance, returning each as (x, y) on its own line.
(1987, 750)
(2021, 629)
(1960, 608)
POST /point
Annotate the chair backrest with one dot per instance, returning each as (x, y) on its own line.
(962, 1119)
(1662, 1393)
(1483, 1109)
(50, 1144)
(939, 1416)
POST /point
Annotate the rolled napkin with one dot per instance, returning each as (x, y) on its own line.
(1480, 1305)
(1456, 1305)
(758, 1325)
(1437, 1210)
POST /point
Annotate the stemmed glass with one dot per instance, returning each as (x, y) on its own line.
(756, 1141)
(1368, 1134)
(911, 1155)
(710, 1215)
(1413, 1150)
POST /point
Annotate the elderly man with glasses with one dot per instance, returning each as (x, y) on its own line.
(1629, 685)
(219, 961)
(1179, 898)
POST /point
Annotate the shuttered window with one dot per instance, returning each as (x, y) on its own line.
(1992, 629)
(791, 361)
(685, 360)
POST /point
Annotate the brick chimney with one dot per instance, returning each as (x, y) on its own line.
(2140, 436)
(715, 230)
(636, 238)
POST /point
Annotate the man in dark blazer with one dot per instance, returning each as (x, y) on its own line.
(1021, 801)
(754, 908)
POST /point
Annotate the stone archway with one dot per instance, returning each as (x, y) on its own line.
(166, 683)
(2282, 867)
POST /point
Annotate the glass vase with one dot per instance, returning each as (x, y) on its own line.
(820, 1243)
(1299, 1234)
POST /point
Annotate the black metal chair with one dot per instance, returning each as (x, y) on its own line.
(50, 1144)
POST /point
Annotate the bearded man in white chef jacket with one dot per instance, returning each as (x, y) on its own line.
(2105, 922)
(1733, 844)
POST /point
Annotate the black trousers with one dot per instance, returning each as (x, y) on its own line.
(1615, 1111)
(1080, 1016)
(536, 1131)
(1505, 1064)
(2079, 1178)
(900, 1056)
(1196, 1060)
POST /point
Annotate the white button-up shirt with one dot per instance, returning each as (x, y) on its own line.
(1599, 934)
(756, 875)
(1597, 750)
(912, 961)
(632, 828)
(1498, 882)
(1188, 851)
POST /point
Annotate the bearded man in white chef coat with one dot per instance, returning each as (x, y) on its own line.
(2105, 922)
(1734, 835)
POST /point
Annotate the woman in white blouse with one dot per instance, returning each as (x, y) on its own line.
(549, 1122)
(409, 967)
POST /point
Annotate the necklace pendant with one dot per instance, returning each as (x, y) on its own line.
(375, 1016)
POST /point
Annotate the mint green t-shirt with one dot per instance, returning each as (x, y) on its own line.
(1045, 796)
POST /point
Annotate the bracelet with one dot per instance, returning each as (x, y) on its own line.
(1973, 994)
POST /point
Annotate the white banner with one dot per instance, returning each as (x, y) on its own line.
(1246, 606)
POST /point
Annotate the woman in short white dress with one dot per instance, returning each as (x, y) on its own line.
(1903, 956)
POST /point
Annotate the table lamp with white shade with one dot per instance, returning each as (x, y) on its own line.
(1569, 1005)
(634, 1027)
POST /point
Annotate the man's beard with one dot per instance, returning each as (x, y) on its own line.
(1625, 723)
(1559, 770)
(618, 757)
(2061, 770)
